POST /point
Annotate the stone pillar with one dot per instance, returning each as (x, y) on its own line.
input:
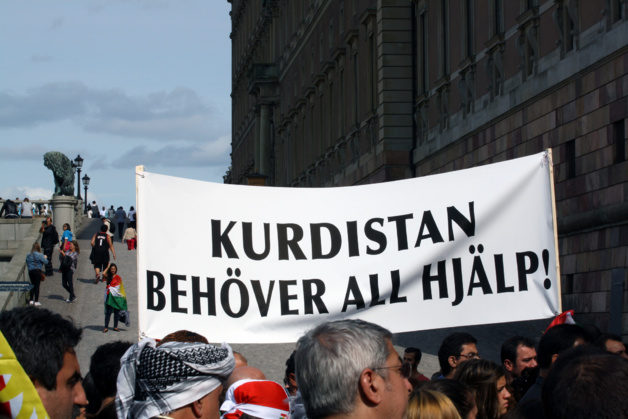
(63, 208)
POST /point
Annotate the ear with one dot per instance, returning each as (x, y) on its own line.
(292, 379)
(197, 407)
(554, 358)
(508, 365)
(453, 361)
(371, 385)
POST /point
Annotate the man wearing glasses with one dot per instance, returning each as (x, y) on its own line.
(350, 368)
(455, 349)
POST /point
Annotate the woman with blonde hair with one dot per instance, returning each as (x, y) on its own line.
(430, 404)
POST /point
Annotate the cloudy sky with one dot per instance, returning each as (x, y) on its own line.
(122, 83)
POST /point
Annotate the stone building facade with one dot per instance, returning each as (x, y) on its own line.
(347, 92)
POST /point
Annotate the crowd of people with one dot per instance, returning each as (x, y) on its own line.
(339, 369)
(24, 209)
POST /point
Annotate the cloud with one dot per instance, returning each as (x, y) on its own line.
(176, 115)
(212, 153)
(22, 192)
(41, 58)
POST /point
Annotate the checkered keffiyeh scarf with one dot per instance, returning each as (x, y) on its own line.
(155, 380)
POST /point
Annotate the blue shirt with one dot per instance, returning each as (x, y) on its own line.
(34, 259)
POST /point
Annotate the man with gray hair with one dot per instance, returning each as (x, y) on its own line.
(181, 377)
(350, 368)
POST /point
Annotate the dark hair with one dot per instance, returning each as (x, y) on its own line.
(67, 225)
(417, 353)
(586, 382)
(600, 342)
(482, 375)
(103, 228)
(107, 274)
(94, 400)
(452, 346)
(290, 363)
(461, 395)
(105, 365)
(509, 347)
(39, 338)
(556, 340)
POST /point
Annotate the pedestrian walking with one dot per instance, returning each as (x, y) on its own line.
(101, 244)
(120, 219)
(68, 268)
(115, 297)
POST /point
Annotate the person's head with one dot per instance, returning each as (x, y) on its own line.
(175, 378)
(105, 365)
(612, 343)
(461, 395)
(289, 378)
(48, 220)
(412, 356)
(113, 270)
(241, 373)
(74, 246)
(66, 226)
(43, 343)
(517, 354)
(26, 200)
(556, 340)
(255, 399)
(455, 349)
(430, 404)
(132, 208)
(586, 382)
(351, 366)
(36, 247)
(488, 379)
(103, 228)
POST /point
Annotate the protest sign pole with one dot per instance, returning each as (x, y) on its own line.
(139, 174)
(551, 181)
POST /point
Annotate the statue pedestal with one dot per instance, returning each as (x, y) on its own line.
(63, 211)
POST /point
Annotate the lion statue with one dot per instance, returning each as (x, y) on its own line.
(62, 171)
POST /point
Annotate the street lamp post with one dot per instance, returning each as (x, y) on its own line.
(85, 184)
(79, 163)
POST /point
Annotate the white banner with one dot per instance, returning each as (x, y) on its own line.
(247, 264)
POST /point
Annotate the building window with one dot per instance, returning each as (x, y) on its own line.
(444, 38)
(616, 11)
(496, 15)
(570, 158)
(356, 88)
(619, 138)
(422, 45)
(372, 73)
(341, 110)
(468, 29)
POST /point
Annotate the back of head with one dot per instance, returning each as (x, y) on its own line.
(105, 365)
(330, 359)
(157, 379)
(430, 404)
(482, 375)
(452, 346)
(586, 382)
(255, 398)
(39, 338)
(556, 340)
(509, 347)
(460, 394)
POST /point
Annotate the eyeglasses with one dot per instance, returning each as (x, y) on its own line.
(404, 369)
(470, 355)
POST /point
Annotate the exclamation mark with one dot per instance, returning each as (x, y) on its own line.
(547, 283)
